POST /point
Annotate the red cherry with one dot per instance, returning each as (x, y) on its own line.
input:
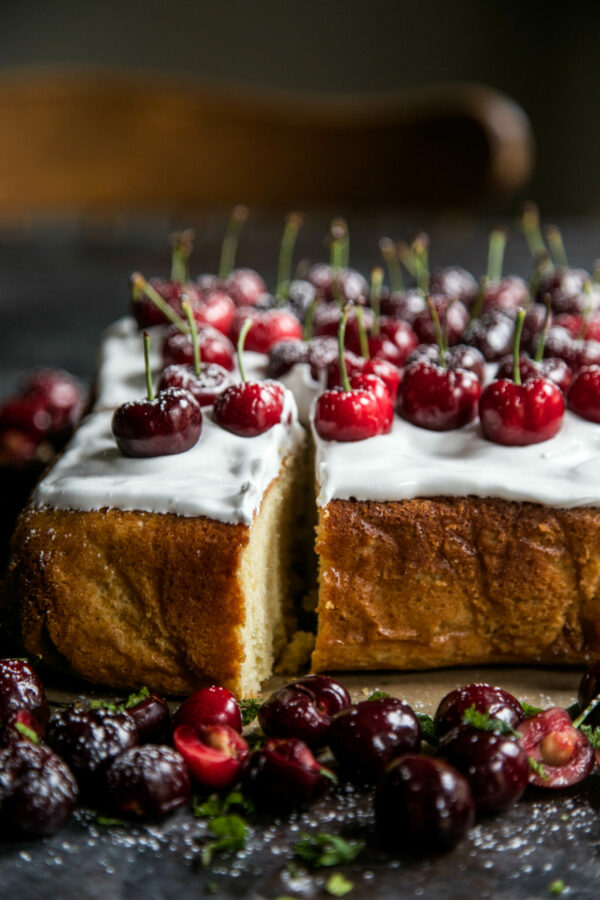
(352, 286)
(63, 394)
(215, 754)
(460, 356)
(216, 308)
(584, 394)
(284, 356)
(268, 328)
(388, 373)
(521, 414)
(508, 294)
(455, 283)
(249, 408)
(552, 368)
(453, 316)
(405, 306)
(177, 348)
(377, 387)
(354, 365)
(26, 413)
(570, 322)
(212, 705)
(436, 398)
(146, 312)
(205, 387)
(18, 447)
(576, 353)
(566, 287)
(402, 336)
(170, 423)
(245, 287)
(327, 322)
(321, 351)
(347, 415)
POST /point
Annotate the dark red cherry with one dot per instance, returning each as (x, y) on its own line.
(532, 326)
(285, 355)
(495, 765)
(508, 294)
(460, 356)
(303, 710)
(21, 688)
(389, 374)
(300, 296)
(147, 783)
(204, 388)
(401, 334)
(575, 352)
(486, 698)
(405, 306)
(372, 383)
(268, 328)
(552, 368)
(212, 705)
(564, 753)
(152, 717)
(565, 286)
(26, 413)
(354, 364)
(589, 688)
(455, 283)
(352, 286)
(245, 287)
(365, 737)
(347, 415)
(38, 792)
(171, 423)
(422, 804)
(249, 408)
(284, 775)
(214, 347)
(322, 351)
(216, 309)
(584, 394)
(492, 334)
(438, 399)
(453, 317)
(327, 321)
(331, 695)
(216, 755)
(147, 314)
(63, 394)
(520, 414)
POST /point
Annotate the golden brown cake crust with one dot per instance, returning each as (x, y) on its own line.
(447, 581)
(130, 598)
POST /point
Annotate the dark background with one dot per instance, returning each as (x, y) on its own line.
(544, 55)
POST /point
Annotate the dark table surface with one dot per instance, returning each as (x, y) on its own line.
(59, 286)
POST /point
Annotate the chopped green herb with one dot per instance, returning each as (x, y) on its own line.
(103, 704)
(530, 710)
(557, 887)
(485, 722)
(564, 818)
(427, 728)
(337, 885)
(27, 732)
(216, 805)
(327, 773)
(231, 833)
(592, 734)
(131, 701)
(109, 822)
(378, 695)
(211, 887)
(538, 768)
(326, 849)
(134, 699)
(249, 710)
(255, 739)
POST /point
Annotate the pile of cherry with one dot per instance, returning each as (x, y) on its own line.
(482, 749)
(374, 350)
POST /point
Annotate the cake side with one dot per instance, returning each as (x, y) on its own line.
(427, 583)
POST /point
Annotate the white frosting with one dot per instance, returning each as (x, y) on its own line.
(223, 476)
(304, 388)
(414, 462)
(120, 372)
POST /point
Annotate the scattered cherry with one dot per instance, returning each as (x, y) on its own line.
(552, 368)
(284, 775)
(454, 316)
(204, 387)
(20, 726)
(564, 753)
(177, 348)
(216, 754)
(303, 709)
(495, 701)
(212, 705)
(21, 688)
(438, 399)
(152, 717)
(268, 328)
(147, 782)
(284, 355)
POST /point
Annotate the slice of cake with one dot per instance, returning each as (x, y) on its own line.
(441, 548)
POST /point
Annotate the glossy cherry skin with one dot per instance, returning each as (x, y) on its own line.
(388, 373)
(401, 334)
(38, 792)
(578, 326)
(486, 698)
(147, 314)
(508, 294)
(216, 755)
(438, 399)
(352, 286)
(171, 423)
(460, 356)
(21, 688)
(365, 737)
(268, 328)
(372, 383)
(495, 765)
(284, 775)
(204, 388)
(249, 408)
(147, 783)
(584, 394)
(25, 720)
(576, 353)
(245, 287)
(453, 319)
(177, 348)
(303, 710)
(284, 355)
(552, 368)
(354, 364)
(589, 688)
(518, 415)
(422, 804)
(492, 334)
(89, 740)
(564, 752)
(152, 717)
(455, 283)
(215, 309)
(353, 415)
(327, 320)
(212, 705)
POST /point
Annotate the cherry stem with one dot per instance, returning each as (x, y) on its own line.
(240, 346)
(496, 248)
(478, 304)
(182, 243)
(539, 350)
(341, 338)
(438, 331)
(339, 234)
(587, 309)
(517, 345)
(362, 333)
(307, 329)
(530, 226)
(420, 250)
(596, 272)
(149, 390)
(139, 287)
(389, 253)
(284, 266)
(187, 308)
(339, 227)
(407, 258)
(238, 216)
(376, 283)
(589, 708)
(557, 246)
(543, 264)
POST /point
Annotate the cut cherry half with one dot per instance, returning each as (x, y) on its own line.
(563, 755)
(215, 754)
(284, 775)
(211, 705)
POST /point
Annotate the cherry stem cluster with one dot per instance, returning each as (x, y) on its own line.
(539, 350)
(362, 333)
(237, 219)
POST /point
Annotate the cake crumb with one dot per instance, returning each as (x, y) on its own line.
(296, 654)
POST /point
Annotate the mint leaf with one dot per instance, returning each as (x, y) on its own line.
(249, 710)
(327, 773)
(530, 710)
(231, 833)
(538, 768)
(337, 885)
(134, 699)
(207, 808)
(103, 704)
(326, 849)
(27, 732)
(557, 887)
(485, 722)
(427, 728)
(592, 734)
(378, 695)
(109, 822)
